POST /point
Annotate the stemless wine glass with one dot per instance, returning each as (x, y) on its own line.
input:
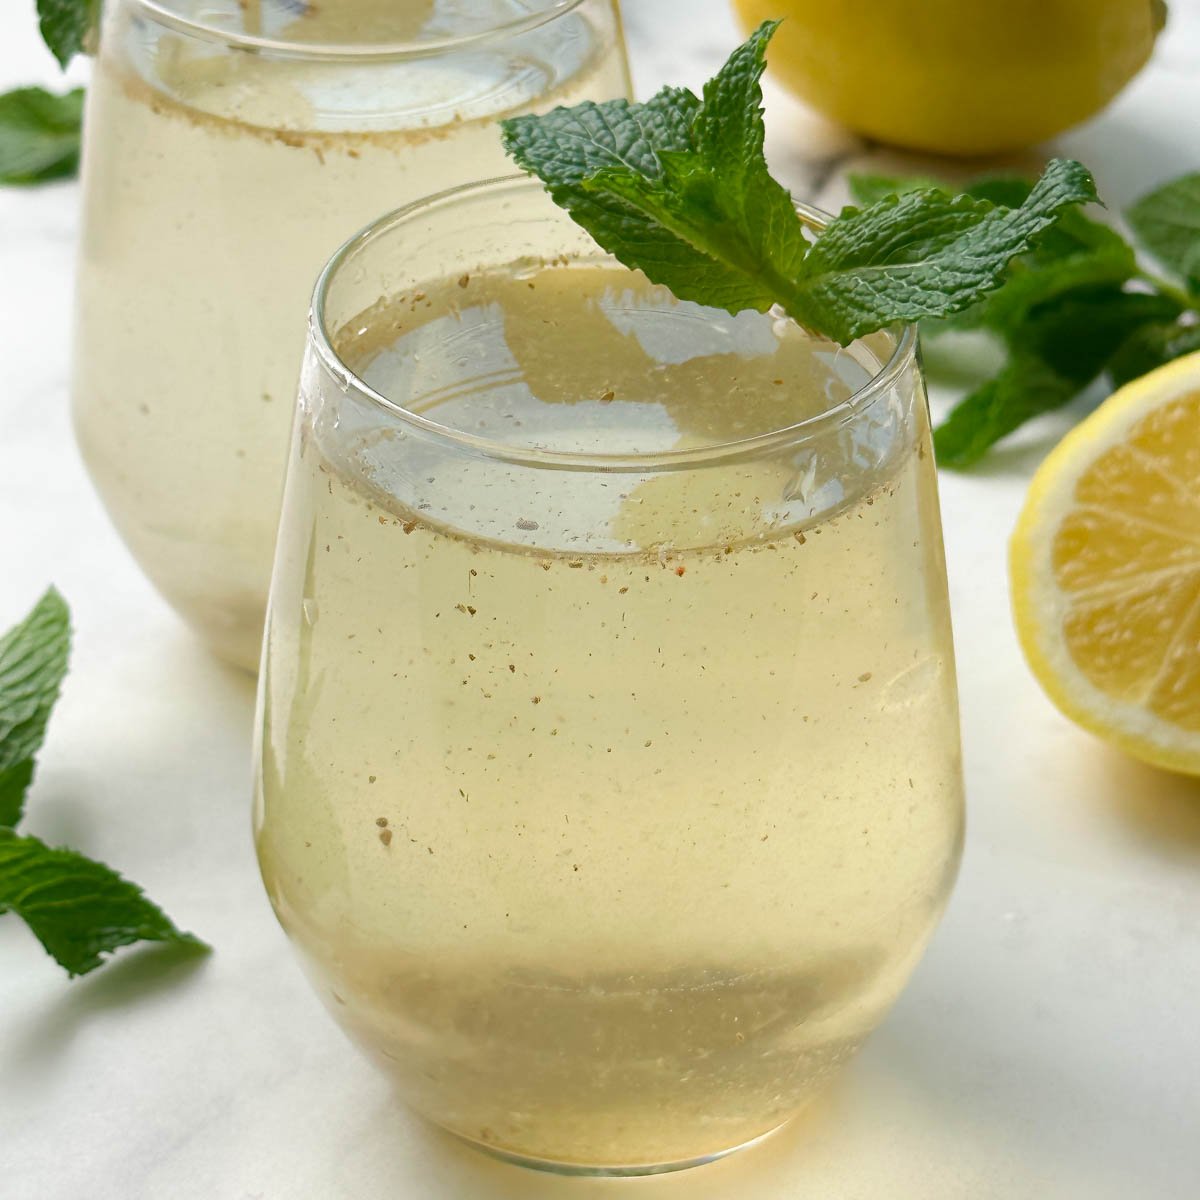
(609, 769)
(231, 146)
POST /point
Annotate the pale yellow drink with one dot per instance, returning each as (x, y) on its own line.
(610, 811)
(216, 183)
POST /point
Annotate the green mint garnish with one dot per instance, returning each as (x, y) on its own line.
(39, 135)
(924, 254)
(678, 187)
(67, 25)
(1074, 309)
(78, 909)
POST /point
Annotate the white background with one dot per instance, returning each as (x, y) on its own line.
(1047, 1049)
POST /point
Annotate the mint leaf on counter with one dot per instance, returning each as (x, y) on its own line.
(39, 135)
(33, 661)
(1043, 279)
(78, 909)
(40, 132)
(1009, 190)
(1056, 350)
(67, 25)
(1024, 388)
(1078, 333)
(1167, 223)
(679, 188)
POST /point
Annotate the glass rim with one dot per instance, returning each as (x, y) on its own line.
(900, 359)
(162, 12)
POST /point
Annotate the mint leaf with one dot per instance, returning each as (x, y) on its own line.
(1191, 270)
(1078, 334)
(677, 187)
(39, 135)
(33, 661)
(1009, 190)
(66, 26)
(923, 254)
(1075, 251)
(78, 909)
(1023, 389)
(1152, 346)
(1037, 279)
(1167, 223)
(1074, 308)
(1056, 351)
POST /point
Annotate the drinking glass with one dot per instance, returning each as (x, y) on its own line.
(231, 147)
(608, 778)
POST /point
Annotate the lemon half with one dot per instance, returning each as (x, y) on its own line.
(1105, 570)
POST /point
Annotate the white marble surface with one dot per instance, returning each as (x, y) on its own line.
(1048, 1047)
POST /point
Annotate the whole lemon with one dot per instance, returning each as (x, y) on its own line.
(959, 77)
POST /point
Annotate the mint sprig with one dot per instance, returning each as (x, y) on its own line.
(678, 187)
(39, 135)
(79, 909)
(1077, 308)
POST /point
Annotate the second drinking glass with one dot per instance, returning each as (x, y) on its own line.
(230, 147)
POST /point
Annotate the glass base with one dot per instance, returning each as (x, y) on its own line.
(593, 1170)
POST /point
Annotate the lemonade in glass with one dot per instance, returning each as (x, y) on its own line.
(609, 777)
(230, 148)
